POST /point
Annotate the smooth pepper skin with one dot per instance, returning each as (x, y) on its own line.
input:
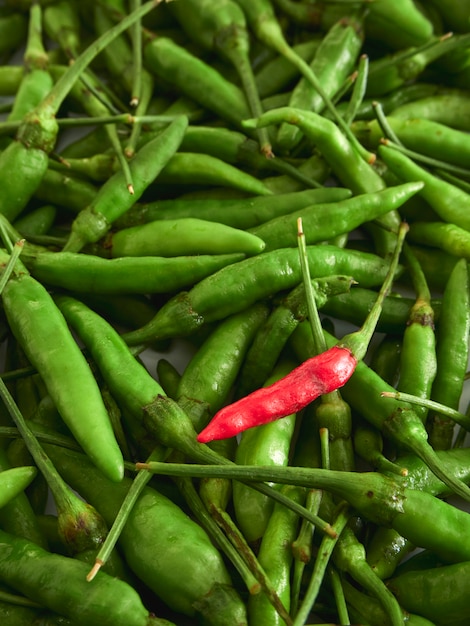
(59, 583)
(319, 375)
(164, 547)
(42, 331)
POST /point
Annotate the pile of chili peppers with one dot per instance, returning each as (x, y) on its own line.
(235, 312)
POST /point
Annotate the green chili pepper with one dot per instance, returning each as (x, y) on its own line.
(65, 191)
(438, 593)
(13, 29)
(418, 364)
(452, 353)
(278, 73)
(398, 25)
(195, 78)
(59, 583)
(239, 213)
(447, 237)
(46, 340)
(204, 169)
(392, 71)
(188, 236)
(15, 480)
(157, 535)
(324, 221)
(449, 108)
(113, 199)
(37, 82)
(428, 137)
(354, 305)
(36, 222)
(139, 275)
(255, 278)
(447, 200)
(333, 62)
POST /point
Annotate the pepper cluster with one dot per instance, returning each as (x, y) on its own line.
(283, 473)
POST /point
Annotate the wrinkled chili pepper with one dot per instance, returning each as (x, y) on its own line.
(318, 375)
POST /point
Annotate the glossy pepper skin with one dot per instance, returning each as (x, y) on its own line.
(164, 547)
(42, 331)
(59, 583)
(318, 375)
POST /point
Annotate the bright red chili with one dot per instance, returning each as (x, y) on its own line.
(318, 375)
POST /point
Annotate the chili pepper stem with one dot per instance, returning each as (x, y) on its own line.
(140, 481)
(457, 416)
(358, 341)
(327, 546)
(10, 266)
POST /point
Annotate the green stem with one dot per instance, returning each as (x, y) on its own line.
(57, 440)
(359, 89)
(459, 418)
(62, 87)
(429, 161)
(214, 527)
(302, 547)
(242, 547)
(138, 485)
(136, 34)
(10, 266)
(321, 562)
(313, 315)
(384, 125)
(358, 341)
(338, 592)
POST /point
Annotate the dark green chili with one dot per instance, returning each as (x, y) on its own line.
(325, 221)
(242, 284)
(157, 535)
(139, 275)
(334, 61)
(113, 200)
(58, 583)
(239, 212)
(447, 200)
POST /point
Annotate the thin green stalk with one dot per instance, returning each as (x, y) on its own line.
(302, 547)
(138, 484)
(358, 341)
(429, 161)
(338, 593)
(359, 89)
(324, 553)
(312, 309)
(10, 266)
(459, 418)
(136, 35)
(215, 530)
(384, 125)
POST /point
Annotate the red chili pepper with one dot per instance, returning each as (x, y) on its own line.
(319, 375)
